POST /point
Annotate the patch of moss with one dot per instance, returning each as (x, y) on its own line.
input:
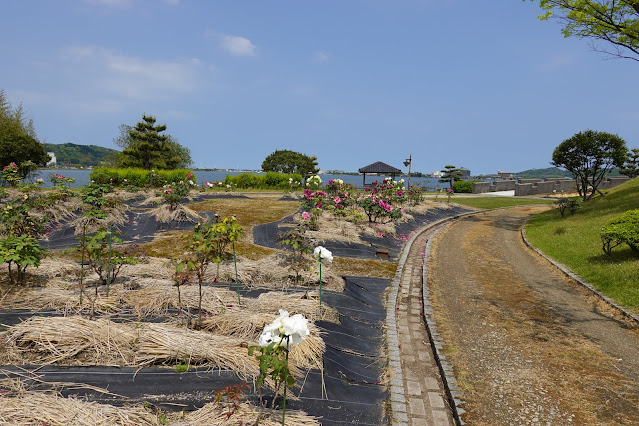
(249, 211)
(364, 267)
(168, 244)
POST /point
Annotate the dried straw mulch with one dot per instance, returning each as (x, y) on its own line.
(56, 339)
(116, 218)
(273, 271)
(40, 408)
(20, 405)
(243, 413)
(47, 408)
(50, 340)
(181, 213)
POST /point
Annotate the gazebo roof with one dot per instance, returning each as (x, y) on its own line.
(379, 167)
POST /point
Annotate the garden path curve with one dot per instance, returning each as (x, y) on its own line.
(527, 345)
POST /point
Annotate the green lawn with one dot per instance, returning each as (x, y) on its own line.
(494, 202)
(575, 242)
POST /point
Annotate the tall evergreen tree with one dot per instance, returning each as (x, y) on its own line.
(450, 174)
(144, 146)
(631, 167)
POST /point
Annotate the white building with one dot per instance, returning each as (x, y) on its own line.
(53, 161)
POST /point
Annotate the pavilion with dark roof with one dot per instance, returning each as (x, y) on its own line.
(380, 168)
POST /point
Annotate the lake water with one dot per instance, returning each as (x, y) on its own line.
(82, 178)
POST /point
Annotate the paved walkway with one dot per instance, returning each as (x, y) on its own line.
(417, 392)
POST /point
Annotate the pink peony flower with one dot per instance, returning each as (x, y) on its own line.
(306, 216)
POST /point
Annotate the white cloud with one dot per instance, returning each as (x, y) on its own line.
(130, 77)
(237, 45)
(557, 61)
(110, 3)
(320, 57)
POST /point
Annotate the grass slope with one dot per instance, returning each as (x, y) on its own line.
(496, 202)
(575, 242)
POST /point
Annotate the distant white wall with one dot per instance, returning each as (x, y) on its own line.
(53, 160)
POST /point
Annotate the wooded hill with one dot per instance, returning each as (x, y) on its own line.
(548, 172)
(554, 172)
(70, 154)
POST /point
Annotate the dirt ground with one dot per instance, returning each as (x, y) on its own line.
(527, 345)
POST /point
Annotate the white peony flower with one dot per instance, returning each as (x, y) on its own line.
(323, 255)
(295, 328)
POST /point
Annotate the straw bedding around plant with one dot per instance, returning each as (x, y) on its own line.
(162, 344)
(58, 212)
(158, 298)
(40, 408)
(215, 414)
(102, 342)
(181, 213)
(64, 300)
(248, 326)
(55, 339)
(116, 217)
(273, 271)
(305, 303)
(22, 407)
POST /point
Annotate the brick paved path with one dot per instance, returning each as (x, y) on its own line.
(417, 397)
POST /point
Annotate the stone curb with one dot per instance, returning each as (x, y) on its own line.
(563, 268)
(397, 397)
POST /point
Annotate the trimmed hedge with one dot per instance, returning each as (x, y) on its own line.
(271, 180)
(139, 177)
(463, 187)
(622, 229)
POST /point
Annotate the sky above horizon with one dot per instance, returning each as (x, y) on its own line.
(481, 85)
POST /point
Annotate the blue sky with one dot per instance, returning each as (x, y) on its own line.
(480, 84)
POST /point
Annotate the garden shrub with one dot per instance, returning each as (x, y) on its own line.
(463, 187)
(570, 204)
(620, 230)
(381, 201)
(271, 180)
(139, 177)
(22, 251)
(415, 195)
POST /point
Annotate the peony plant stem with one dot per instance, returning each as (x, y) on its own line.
(237, 281)
(320, 291)
(285, 385)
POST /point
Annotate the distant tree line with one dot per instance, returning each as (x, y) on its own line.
(18, 141)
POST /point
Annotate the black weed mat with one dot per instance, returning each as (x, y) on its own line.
(349, 392)
(266, 235)
(141, 227)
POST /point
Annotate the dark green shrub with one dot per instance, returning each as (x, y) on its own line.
(22, 251)
(140, 177)
(271, 180)
(620, 230)
(570, 204)
(463, 187)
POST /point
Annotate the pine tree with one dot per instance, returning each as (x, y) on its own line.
(631, 167)
(148, 148)
(450, 174)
